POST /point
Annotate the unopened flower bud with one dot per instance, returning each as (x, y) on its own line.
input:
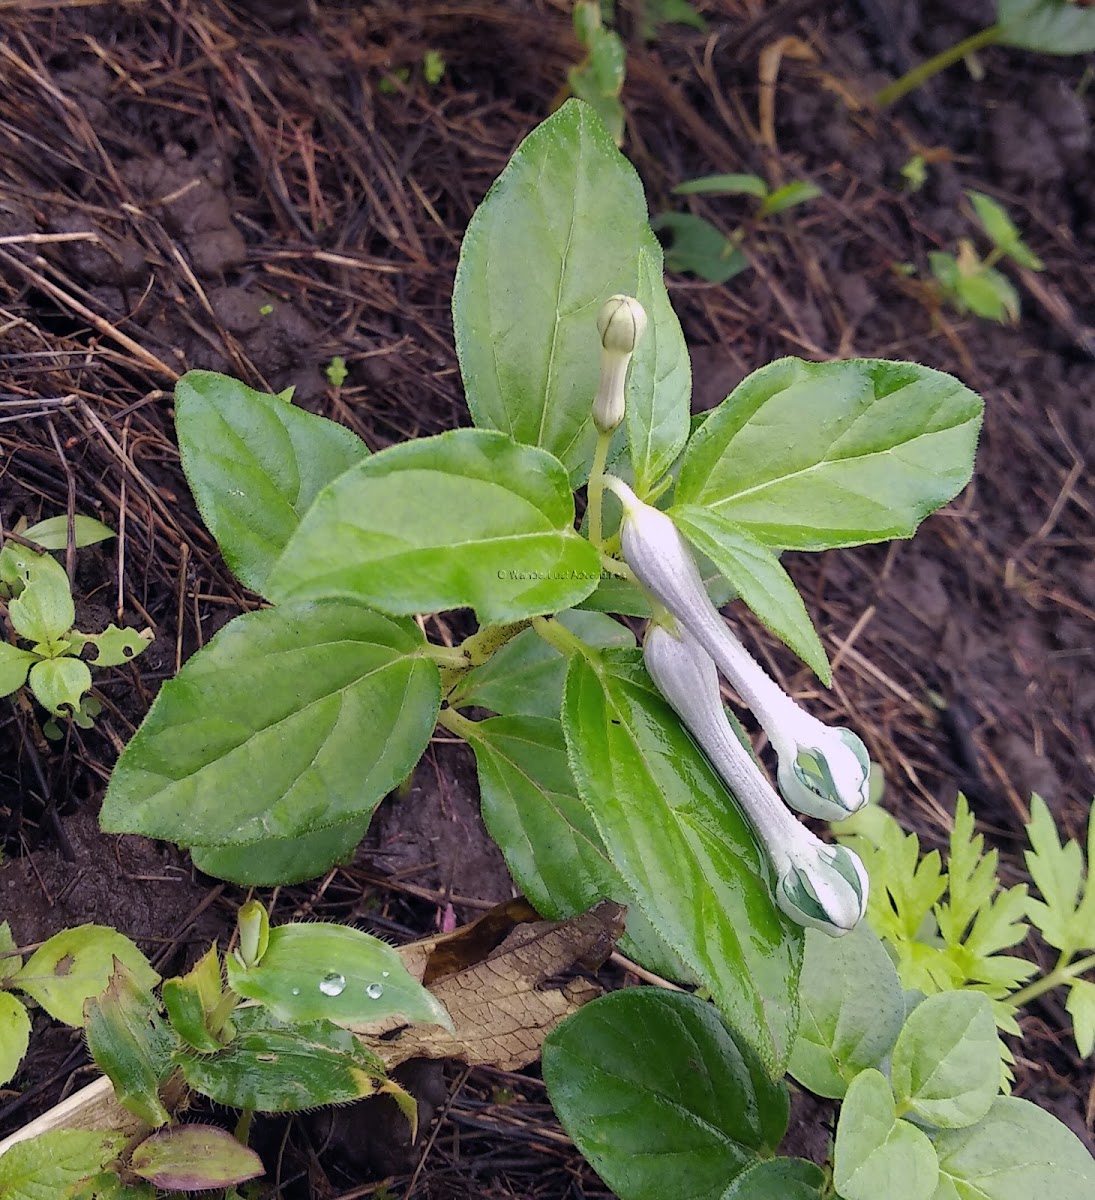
(823, 772)
(817, 885)
(620, 323)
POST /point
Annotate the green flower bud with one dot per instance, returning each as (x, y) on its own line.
(620, 323)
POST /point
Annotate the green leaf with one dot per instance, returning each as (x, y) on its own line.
(552, 848)
(10, 958)
(692, 1110)
(1081, 1008)
(946, 1062)
(813, 455)
(877, 1154)
(42, 611)
(699, 248)
(14, 665)
(465, 519)
(1064, 920)
(270, 861)
(789, 196)
(52, 533)
(76, 964)
(318, 971)
(852, 1010)
(599, 77)
(194, 1158)
(525, 677)
(113, 646)
(291, 720)
(131, 1045)
(14, 1035)
(674, 833)
(1016, 1152)
(255, 465)
(191, 998)
(1001, 230)
(273, 1067)
(659, 386)
(723, 185)
(1051, 26)
(778, 1179)
(669, 12)
(59, 683)
(757, 577)
(49, 1166)
(989, 294)
(570, 210)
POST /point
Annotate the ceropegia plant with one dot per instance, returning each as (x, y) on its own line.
(269, 752)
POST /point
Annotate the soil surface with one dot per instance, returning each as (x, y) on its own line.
(255, 188)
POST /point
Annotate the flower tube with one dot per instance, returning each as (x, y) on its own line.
(817, 885)
(823, 771)
(621, 323)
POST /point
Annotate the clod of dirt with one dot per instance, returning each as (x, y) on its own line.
(108, 259)
(716, 371)
(436, 827)
(1022, 148)
(1029, 772)
(191, 196)
(1066, 117)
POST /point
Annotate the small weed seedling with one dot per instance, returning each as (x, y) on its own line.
(701, 248)
(268, 1028)
(606, 770)
(973, 284)
(1046, 26)
(41, 612)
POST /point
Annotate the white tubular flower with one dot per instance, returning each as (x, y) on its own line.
(823, 771)
(819, 886)
(620, 323)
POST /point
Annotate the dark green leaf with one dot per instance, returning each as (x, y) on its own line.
(76, 964)
(812, 455)
(1051, 26)
(270, 861)
(757, 577)
(291, 720)
(659, 1096)
(525, 677)
(131, 1045)
(272, 1067)
(675, 834)
(569, 209)
(532, 810)
(319, 971)
(778, 1179)
(194, 1158)
(191, 998)
(255, 464)
(697, 247)
(465, 519)
(852, 1010)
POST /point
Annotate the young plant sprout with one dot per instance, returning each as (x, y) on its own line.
(819, 886)
(823, 772)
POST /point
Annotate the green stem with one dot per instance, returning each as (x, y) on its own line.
(556, 634)
(1060, 974)
(226, 1006)
(480, 646)
(457, 723)
(946, 58)
(615, 567)
(446, 656)
(595, 488)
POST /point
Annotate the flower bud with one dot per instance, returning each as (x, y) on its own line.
(824, 887)
(620, 323)
(823, 772)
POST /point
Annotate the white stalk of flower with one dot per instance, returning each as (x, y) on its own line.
(621, 323)
(820, 886)
(824, 771)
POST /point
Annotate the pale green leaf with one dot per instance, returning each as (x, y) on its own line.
(699, 248)
(42, 611)
(51, 1165)
(194, 1158)
(14, 665)
(1051, 26)
(59, 683)
(52, 533)
(1081, 1008)
(14, 1035)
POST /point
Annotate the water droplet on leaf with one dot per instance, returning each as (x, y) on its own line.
(384, 974)
(332, 984)
(374, 991)
(296, 991)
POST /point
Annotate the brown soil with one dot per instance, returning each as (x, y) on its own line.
(239, 192)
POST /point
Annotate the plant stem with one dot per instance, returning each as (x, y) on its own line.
(614, 567)
(480, 646)
(456, 723)
(595, 488)
(556, 634)
(946, 58)
(1059, 974)
(446, 656)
